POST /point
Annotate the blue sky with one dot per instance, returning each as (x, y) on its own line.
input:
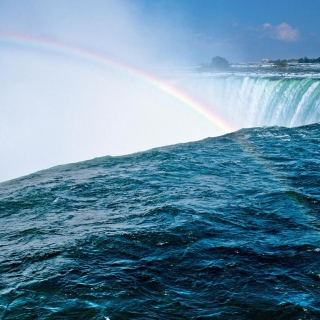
(188, 31)
(58, 108)
(246, 30)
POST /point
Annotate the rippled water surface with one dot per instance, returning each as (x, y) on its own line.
(224, 228)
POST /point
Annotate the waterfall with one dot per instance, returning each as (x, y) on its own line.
(255, 101)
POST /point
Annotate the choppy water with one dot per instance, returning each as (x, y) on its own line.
(224, 228)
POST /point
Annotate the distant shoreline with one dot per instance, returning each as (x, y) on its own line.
(220, 64)
(260, 67)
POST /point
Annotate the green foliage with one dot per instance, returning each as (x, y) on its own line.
(307, 60)
(281, 63)
(284, 63)
(219, 63)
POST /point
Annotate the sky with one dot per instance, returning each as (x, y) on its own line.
(80, 79)
(191, 30)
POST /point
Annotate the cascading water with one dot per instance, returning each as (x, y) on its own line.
(255, 101)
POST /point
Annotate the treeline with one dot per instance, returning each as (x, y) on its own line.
(301, 60)
(307, 60)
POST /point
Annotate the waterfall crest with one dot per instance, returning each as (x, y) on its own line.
(251, 101)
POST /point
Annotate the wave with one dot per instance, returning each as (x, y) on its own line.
(223, 228)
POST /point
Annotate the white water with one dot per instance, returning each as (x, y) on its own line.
(255, 101)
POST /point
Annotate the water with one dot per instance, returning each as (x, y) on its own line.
(251, 100)
(224, 228)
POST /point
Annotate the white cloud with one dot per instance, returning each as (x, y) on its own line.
(250, 28)
(281, 32)
(267, 26)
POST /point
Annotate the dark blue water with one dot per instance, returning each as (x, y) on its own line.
(224, 228)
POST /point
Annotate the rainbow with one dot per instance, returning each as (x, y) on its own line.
(60, 48)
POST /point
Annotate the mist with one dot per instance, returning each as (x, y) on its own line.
(58, 108)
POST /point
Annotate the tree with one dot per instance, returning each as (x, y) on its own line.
(219, 63)
(281, 63)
